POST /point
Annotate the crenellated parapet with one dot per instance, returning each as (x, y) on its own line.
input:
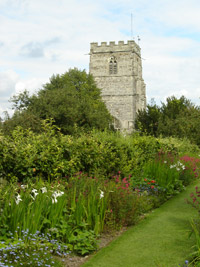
(121, 46)
(117, 70)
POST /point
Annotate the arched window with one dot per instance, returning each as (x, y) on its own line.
(113, 66)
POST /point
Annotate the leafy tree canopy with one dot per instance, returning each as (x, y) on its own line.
(72, 100)
(177, 117)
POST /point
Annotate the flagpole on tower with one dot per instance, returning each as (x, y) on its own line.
(132, 26)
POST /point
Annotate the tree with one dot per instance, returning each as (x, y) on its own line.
(172, 114)
(177, 117)
(147, 120)
(71, 100)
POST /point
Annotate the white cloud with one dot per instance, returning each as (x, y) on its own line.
(41, 38)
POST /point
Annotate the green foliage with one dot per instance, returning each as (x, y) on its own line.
(83, 242)
(178, 117)
(71, 99)
(194, 201)
(26, 155)
(123, 203)
(182, 146)
(147, 120)
(26, 207)
(73, 212)
(33, 250)
(60, 200)
(167, 174)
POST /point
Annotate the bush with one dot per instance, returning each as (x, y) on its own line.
(26, 155)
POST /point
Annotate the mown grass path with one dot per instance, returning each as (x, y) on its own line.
(161, 239)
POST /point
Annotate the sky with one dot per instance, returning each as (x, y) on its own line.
(39, 38)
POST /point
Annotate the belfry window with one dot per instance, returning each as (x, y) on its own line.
(113, 66)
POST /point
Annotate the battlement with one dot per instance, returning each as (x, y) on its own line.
(114, 47)
(117, 70)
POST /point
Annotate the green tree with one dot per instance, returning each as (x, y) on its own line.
(72, 100)
(147, 120)
(177, 117)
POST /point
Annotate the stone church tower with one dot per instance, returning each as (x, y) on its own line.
(117, 70)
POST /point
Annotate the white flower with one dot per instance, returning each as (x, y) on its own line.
(165, 161)
(43, 189)
(54, 200)
(23, 186)
(34, 191)
(55, 195)
(18, 199)
(101, 194)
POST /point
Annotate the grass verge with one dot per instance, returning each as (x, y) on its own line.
(161, 239)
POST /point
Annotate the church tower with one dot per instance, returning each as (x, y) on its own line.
(117, 70)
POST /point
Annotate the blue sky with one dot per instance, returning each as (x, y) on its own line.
(42, 38)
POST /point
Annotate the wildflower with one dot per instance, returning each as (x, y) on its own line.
(124, 180)
(35, 193)
(18, 199)
(152, 186)
(153, 181)
(58, 193)
(101, 194)
(194, 199)
(55, 195)
(23, 186)
(145, 179)
(43, 189)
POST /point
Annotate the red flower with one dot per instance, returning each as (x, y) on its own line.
(145, 179)
(152, 186)
(153, 181)
(194, 199)
(124, 180)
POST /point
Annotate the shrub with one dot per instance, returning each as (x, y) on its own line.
(25, 155)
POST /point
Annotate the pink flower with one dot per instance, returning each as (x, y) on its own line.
(194, 199)
(124, 180)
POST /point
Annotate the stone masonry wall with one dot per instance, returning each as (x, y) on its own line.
(121, 84)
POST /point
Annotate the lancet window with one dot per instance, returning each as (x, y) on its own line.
(113, 66)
